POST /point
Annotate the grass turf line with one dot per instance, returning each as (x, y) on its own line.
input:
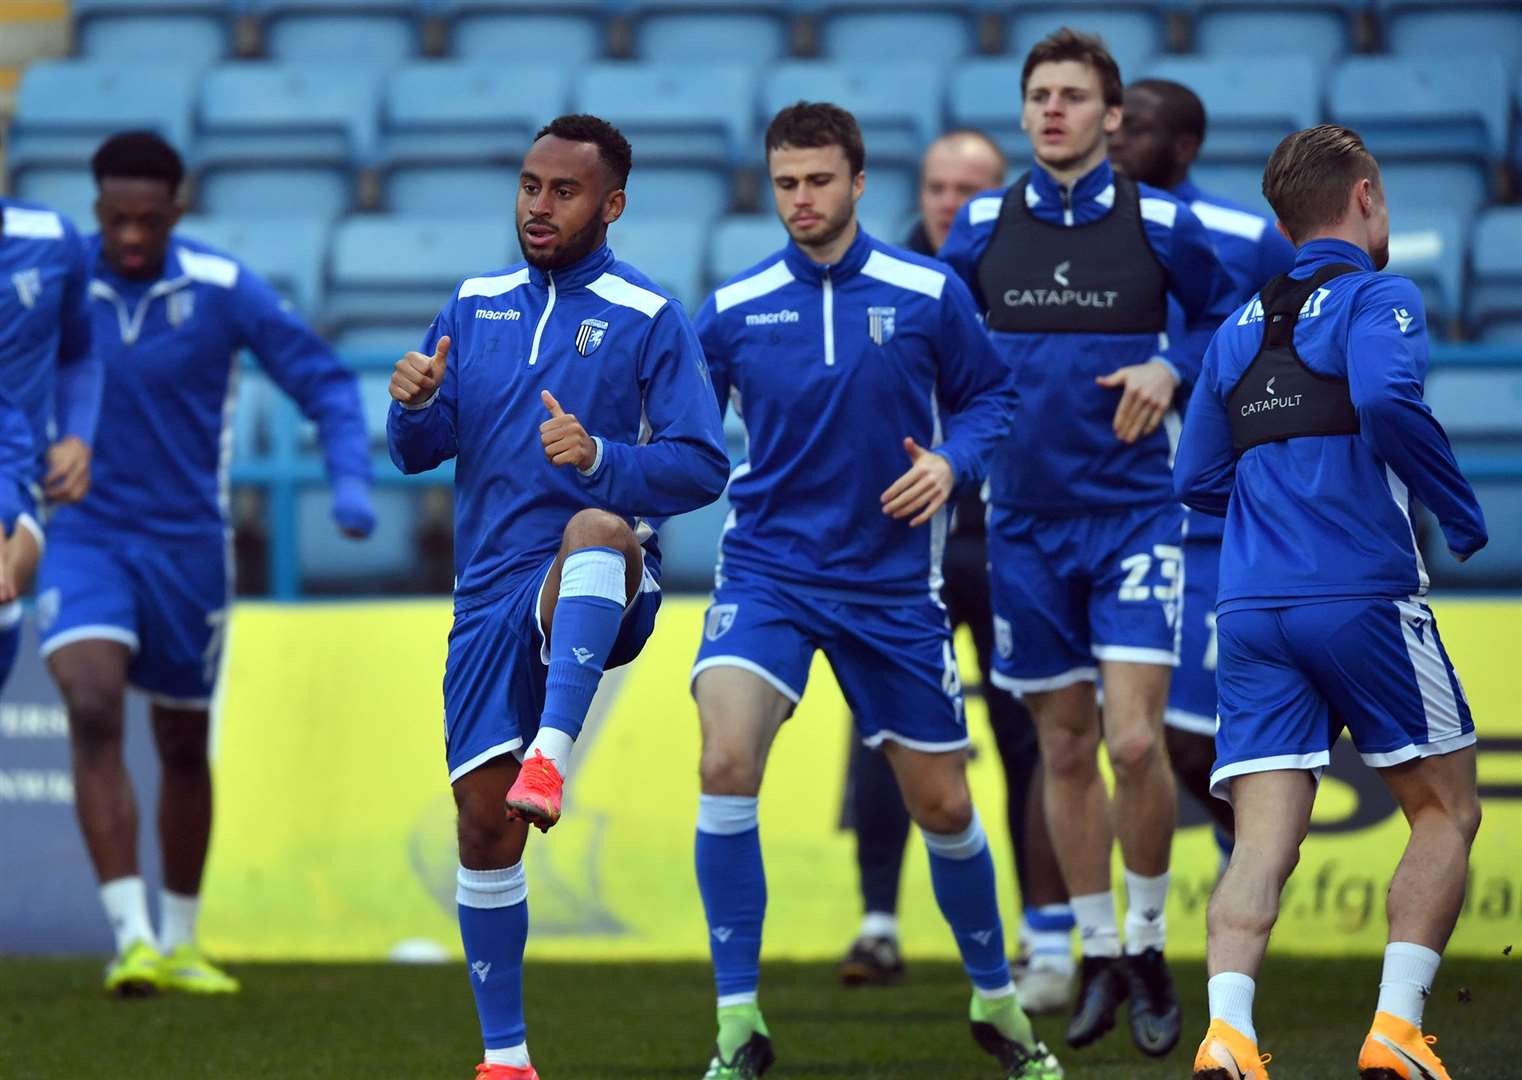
(625, 1021)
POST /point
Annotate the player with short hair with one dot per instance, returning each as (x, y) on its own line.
(1074, 266)
(136, 581)
(957, 166)
(844, 356)
(572, 394)
(1159, 138)
(52, 375)
(1307, 429)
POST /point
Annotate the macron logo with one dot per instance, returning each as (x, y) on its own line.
(982, 937)
(479, 969)
(723, 933)
(582, 655)
(771, 318)
(1403, 319)
(510, 315)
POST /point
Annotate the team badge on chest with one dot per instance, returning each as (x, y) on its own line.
(589, 336)
(28, 286)
(880, 324)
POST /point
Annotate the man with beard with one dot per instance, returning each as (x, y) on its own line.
(1159, 138)
(957, 166)
(1307, 430)
(845, 356)
(135, 586)
(1074, 266)
(558, 569)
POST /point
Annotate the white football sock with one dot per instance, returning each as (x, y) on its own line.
(1097, 932)
(177, 920)
(1231, 995)
(555, 745)
(516, 1056)
(1146, 924)
(879, 924)
(126, 904)
(1407, 980)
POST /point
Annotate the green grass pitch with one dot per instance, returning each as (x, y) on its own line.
(648, 1021)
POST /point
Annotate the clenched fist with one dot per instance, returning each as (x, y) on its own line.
(416, 377)
(565, 441)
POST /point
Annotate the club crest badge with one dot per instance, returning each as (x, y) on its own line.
(720, 618)
(28, 286)
(880, 324)
(589, 336)
(1004, 637)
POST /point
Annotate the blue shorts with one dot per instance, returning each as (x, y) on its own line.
(1191, 695)
(894, 663)
(26, 513)
(498, 660)
(166, 601)
(1292, 678)
(1070, 591)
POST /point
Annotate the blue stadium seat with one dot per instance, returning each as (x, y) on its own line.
(195, 32)
(1477, 402)
(897, 105)
(1319, 29)
(454, 133)
(1132, 31)
(690, 547)
(276, 136)
(1429, 246)
(65, 108)
(710, 31)
(401, 270)
(375, 399)
(1495, 296)
(69, 191)
(364, 341)
(739, 242)
(1251, 102)
(1435, 108)
(1241, 182)
(890, 198)
(985, 94)
(1414, 185)
(570, 32)
(669, 250)
(288, 251)
(881, 30)
(330, 561)
(377, 33)
(1453, 27)
(1500, 562)
(675, 114)
(658, 191)
(251, 416)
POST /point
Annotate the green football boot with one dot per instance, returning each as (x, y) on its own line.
(743, 1049)
(1001, 1028)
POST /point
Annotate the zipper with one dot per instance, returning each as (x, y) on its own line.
(829, 321)
(533, 355)
(1067, 204)
(130, 324)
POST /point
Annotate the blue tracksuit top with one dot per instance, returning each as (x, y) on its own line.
(1321, 517)
(620, 355)
(830, 367)
(1062, 457)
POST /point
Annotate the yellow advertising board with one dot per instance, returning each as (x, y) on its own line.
(335, 827)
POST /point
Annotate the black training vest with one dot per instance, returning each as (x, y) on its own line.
(1278, 396)
(1101, 278)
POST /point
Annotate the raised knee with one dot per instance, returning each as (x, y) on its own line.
(949, 814)
(597, 528)
(728, 771)
(481, 831)
(95, 713)
(1132, 752)
(1467, 818)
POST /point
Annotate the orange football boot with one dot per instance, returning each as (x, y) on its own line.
(505, 1072)
(1397, 1050)
(535, 795)
(1227, 1054)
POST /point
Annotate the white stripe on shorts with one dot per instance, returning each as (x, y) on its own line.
(1193, 722)
(1438, 704)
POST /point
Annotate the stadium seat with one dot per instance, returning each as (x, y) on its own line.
(402, 269)
(1133, 32)
(1495, 295)
(675, 114)
(1240, 182)
(697, 194)
(364, 344)
(250, 416)
(690, 547)
(276, 136)
(753, 32)
(288, 251)
(668, 250)
(985, 94)
(1321, 30)
(69, 191)
(453, 134)
(1477, 402)
(867, 31)
(1437, 108)
(1428, 246)
(1413, 185)
(331, 562)
(1500, 562)
(1453, 27)
(376, 33)
(65, 108)
(195, 32)
(488, 30)
(1251, 102)
(739, 242)
(897, 105)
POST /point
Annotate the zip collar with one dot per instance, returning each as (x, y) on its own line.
(108, 285)
(582, 272)
(1315, 254)
(1090, 187)
(807, 270)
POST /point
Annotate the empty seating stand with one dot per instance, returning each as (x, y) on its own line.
(189, 33)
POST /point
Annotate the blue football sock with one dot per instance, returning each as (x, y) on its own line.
(10, 639)
(1048, 931)
(733, 883)
(493, 906)
(962, 873)
(587, 618)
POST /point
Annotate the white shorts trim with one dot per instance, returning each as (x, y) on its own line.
(1131, 654)
(1419, 750)
(175, 702)
(647, 584)
(1037, 686)
(1192, 722)
(95, 632)
(881, 737)
(10, 614)
(1314, 763)
(486, 755)
(745, 665)
(32, 525)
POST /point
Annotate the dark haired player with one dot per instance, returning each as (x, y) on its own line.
(1074, 266)
(135, 583)
(573, 396)
(835, 543)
